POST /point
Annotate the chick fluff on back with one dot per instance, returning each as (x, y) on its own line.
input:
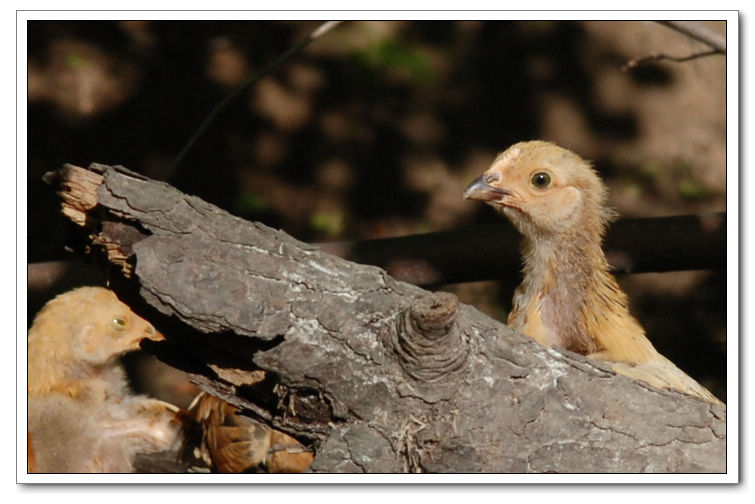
(568, 298)
(81, 415)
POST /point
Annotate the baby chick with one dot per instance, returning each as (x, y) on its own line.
(81, 414)
(568, 297)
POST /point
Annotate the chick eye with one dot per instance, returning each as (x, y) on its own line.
(119, 324)
(541, 180)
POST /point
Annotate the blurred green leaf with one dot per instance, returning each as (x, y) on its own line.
(423, 227)
(390, 55)
(327, 223)
(74, 60)
(251, 202)
(691, 189)
(651, 169)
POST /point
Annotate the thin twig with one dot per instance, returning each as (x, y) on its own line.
(634, 62)
(692, 30)
(318, 32)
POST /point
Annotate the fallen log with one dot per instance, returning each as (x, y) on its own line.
(374, 374)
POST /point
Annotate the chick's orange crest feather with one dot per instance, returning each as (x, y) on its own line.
(568, 297)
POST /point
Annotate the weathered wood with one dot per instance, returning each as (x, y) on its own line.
(375, 374)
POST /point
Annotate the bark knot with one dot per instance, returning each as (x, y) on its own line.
(427, 339)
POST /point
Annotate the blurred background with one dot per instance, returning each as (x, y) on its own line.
(374, 131)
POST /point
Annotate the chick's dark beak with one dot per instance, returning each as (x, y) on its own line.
(479, 190)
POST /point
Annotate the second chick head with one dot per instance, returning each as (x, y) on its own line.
(112, 330)
(89, 325)
(543, 189)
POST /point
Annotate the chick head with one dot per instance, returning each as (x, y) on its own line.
(92, 323)
(543, 189)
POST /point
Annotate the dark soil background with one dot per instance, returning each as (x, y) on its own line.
(375, 130)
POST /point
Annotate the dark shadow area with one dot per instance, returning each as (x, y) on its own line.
(696, 342)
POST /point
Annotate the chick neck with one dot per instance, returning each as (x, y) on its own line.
(566, 274)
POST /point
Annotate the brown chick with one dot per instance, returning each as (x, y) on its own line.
(568, 298)
(235, 443)
(81, 415)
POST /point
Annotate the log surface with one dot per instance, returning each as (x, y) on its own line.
(376, 374)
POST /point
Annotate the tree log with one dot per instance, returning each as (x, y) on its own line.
(376, 375)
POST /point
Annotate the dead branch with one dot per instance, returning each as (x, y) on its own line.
(642, 60)
(375, 374)
(691, 29)
(640, 245)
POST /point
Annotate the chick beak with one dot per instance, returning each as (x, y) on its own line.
(479, 190)
(154, 335)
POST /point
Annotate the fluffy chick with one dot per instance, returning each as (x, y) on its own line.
(81, 415)
(568, 298)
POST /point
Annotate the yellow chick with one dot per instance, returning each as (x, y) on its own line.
(568, 298)
(81, 414)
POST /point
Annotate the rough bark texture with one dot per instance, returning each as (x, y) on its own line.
(376, 374)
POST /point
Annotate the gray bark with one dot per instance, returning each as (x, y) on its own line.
(376, 374)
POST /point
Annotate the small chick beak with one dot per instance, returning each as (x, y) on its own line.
(479, 190)
(154, 335)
